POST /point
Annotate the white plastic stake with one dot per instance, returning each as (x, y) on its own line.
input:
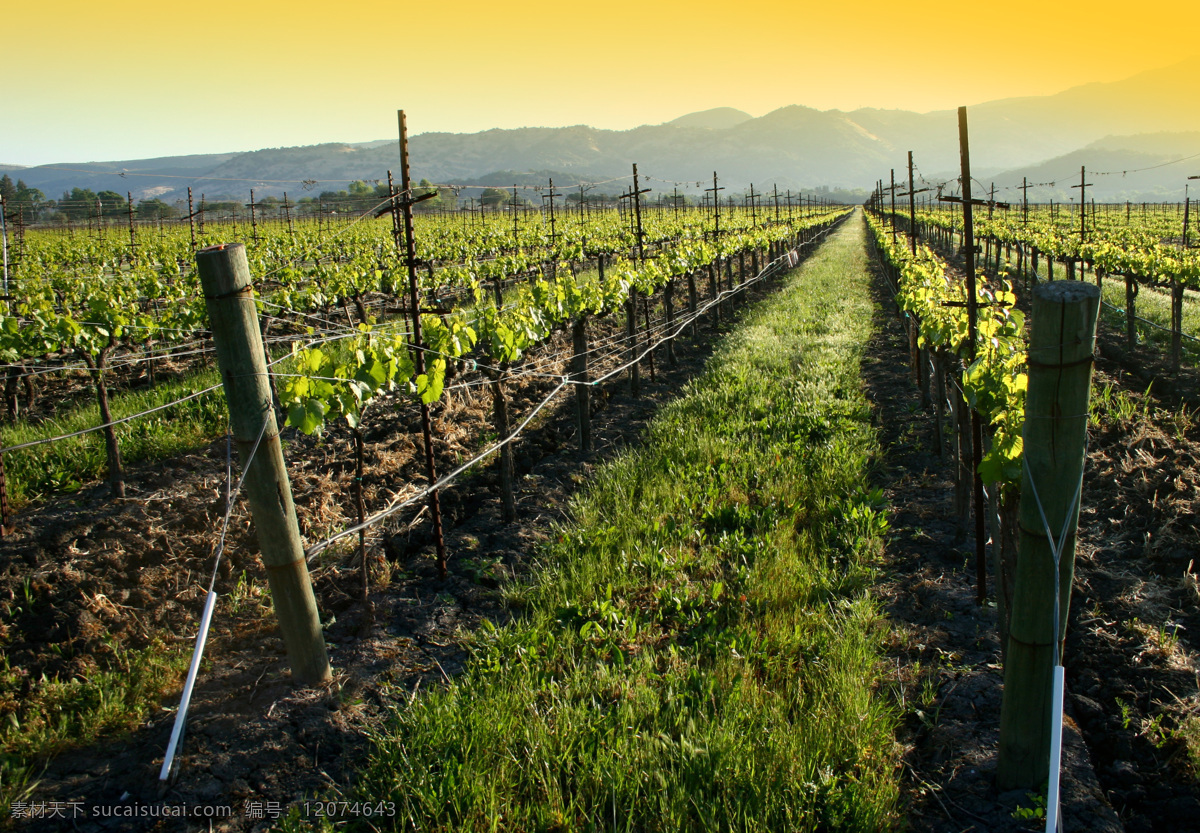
(185, 701)
(1056, 727)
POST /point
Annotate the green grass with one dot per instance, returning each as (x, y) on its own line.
(66, 465)
(700, 650)
(56, 714)
(1153, 305)
(1188, 734)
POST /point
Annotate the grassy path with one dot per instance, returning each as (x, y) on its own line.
(699, 650)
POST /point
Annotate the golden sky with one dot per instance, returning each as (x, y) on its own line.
(132, 78)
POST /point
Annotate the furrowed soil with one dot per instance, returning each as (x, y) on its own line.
(90, 583)
(1130, 752)
(85, 581)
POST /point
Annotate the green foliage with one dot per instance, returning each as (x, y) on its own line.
(57, 714)
(994, 383)
(324, 387)
(91, 295)
(156, 209)
(1036, 811)
(697, 651)
(495, 196)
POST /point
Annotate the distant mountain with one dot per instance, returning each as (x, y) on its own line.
(1008, 132)
(143, 177)
(1016, 132)
(793, 148)
(718, 118)
(1146, 167)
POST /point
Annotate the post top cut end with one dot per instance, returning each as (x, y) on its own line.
(1066, 292)
(219, 247)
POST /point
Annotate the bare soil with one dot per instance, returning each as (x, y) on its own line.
(102, 573)
(107, 575)
(1133, 630)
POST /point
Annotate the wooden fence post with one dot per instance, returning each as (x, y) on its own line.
(963, 453)
(1061, 343)
(4, 232)
(192, 218)
(649, 332)
(229, 297)
(579, 375)
(132, 239)
(508, 501)
(714, 269)
(1176, 323)
(418, 349)
(969, 249)
(5, 514)
(939, 402)
(632, 342)
(669, 310)
(1131, 293)
(693, 298)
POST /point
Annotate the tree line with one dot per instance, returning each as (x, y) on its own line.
(76, 204)
(79, 205)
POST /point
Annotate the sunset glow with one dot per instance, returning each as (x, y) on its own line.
(132, 78)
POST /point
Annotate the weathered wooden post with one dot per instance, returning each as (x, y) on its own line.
(418, 349)
(508, 501)
(1060, 374)
(579, 375)
(132, 239)
(192, 218)
(669, 310)
(693, 298)
(229, 297)
(714, 290)
(1131, 293)
(649, 332)
(4, 233)
(631, 341)
(972, 346)
(5, 514)
(939, 402)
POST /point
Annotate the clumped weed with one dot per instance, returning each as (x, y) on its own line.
(40, 718)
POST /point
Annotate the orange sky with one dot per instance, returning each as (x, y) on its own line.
(132, 78)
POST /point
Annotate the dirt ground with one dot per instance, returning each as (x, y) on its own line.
(1132, 634)
(99, 576)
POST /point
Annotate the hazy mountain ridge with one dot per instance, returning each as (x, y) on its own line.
(1145, 167)
(718, 118)
(1129, 124)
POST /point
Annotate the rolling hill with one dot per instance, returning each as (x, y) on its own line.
(1126, 125)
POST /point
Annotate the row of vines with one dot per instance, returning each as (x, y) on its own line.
(338, 332)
